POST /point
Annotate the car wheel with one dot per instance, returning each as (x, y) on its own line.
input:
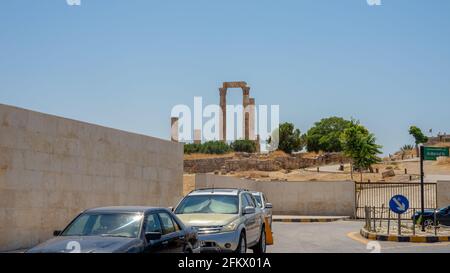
(242, 246)
(261, 246)
(187, 250)
(428, 222)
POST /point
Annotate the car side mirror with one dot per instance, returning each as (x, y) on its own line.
(269, 206)
(56, 233)
(249, 210)
(152, 236)
(171, 209)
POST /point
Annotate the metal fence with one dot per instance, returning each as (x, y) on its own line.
(376, 221)
(377, 195)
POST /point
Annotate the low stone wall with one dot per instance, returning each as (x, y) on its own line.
(247, 162)
(293, 198)
(53, 168)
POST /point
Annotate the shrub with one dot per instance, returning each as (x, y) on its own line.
(247, 146)
(192, 148)
(215, 147)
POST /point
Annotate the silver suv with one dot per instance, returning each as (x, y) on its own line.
(263, 203)
(227, 220)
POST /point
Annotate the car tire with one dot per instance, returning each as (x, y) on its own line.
(261, 246)
(429, 223)
(242, 246)
(187, 250)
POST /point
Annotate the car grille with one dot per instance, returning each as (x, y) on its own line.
(208, 230)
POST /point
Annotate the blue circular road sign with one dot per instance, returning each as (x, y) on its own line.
(399, 204)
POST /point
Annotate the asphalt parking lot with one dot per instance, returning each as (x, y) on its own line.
(339, 237)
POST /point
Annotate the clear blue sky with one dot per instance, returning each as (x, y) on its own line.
(124, 64)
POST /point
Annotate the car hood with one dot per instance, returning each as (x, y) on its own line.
(85, 244)
(207, 219)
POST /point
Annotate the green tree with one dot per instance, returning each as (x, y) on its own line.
(325, 135)
(419, 137)
(286, 138)
(360, 145)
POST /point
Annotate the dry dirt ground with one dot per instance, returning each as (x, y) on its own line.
(331, 173)
(431, 167)
(439, 168)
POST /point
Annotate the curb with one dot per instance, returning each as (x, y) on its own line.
(307, 220)
(403, 238)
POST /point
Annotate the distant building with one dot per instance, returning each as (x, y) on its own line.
(439, 138)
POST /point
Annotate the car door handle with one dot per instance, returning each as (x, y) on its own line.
(165, 243)
(182, 237)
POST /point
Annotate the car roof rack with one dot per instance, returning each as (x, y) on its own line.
(221, 188)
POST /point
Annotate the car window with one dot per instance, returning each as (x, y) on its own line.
(245, 202)
(152, 224)
(167, 223)
(106, 224)
(220, 204)
(258, 200)
(251, 201)
(79, 226)
(265, 199)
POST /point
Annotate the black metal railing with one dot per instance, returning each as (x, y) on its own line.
(377, 195)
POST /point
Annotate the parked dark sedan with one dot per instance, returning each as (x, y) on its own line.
(123, 230)
(442, 217)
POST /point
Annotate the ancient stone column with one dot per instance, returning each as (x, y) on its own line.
(246, 115)
(174, 129)
(251, 110)
(223, 114)
(258, 145)
(197, 136)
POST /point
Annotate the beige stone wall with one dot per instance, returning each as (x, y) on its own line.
(296, 198)
(52, 168)
(443, 193)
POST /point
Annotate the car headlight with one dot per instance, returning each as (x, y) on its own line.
(231, 226)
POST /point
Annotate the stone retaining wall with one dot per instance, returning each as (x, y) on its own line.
(247, 162)
(52, 168)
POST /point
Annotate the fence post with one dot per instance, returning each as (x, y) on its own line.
(381, 217)
(374, 220)
(435, 223)
(389, 222)
(365, 217)
(414, 222)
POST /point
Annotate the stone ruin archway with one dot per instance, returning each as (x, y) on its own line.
(248, 106)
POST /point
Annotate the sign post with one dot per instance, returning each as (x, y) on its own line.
(428, 153)
(422, 187)
(399, 204)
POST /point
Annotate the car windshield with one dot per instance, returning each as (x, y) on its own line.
(258, 200)
(106, 224)
(220, 204)
(444, 210)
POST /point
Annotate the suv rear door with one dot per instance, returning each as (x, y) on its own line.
(251, 220)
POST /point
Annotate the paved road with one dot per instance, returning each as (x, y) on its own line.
(338, 237)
